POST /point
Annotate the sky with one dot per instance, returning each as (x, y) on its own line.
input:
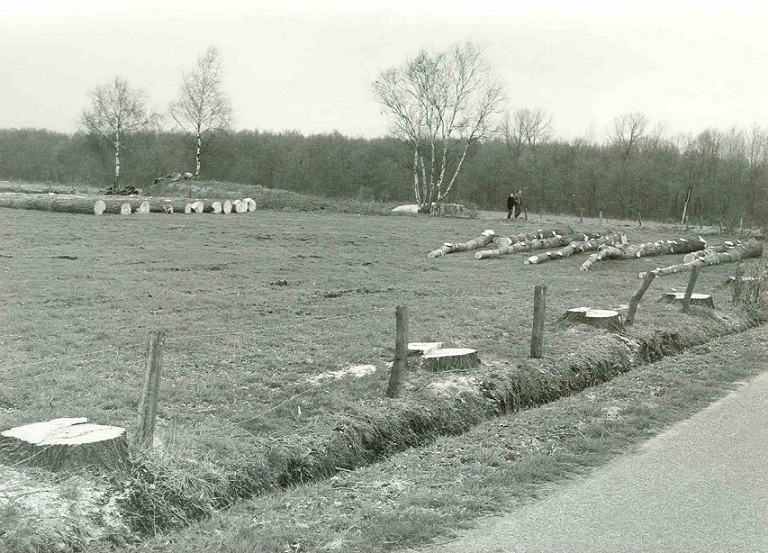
(308, 66)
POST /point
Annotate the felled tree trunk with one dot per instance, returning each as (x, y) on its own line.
(501, 241)
(736, 253)
(529, 245)
(578, 246)
(718, 248)
(631, 251)
(452, 247)
(65, 444)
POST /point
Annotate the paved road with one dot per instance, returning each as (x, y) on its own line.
(701, 486)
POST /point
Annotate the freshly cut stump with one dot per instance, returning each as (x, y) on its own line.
(451, 359)
(604, 318)
(704, 300)
(577, 314)
(99, 207)
(125, 209)
(421, 348)
(67, 443)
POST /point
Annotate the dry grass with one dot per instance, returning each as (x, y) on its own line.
(257, 305)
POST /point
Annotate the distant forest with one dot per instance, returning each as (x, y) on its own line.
(726, 172)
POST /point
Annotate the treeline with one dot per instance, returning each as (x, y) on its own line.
(726, 172)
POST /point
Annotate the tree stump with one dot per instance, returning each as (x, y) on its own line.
(226, 207)
(239, 206)
(576, 314)
(143, 208)
(450, 359)
(421, 348)
(705, 300)
(216, 207)
(250, 204)
(604, 318)
(99, 207)
(125, 209)
(63, 444)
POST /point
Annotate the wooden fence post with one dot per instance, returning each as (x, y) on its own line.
(689, 289)
(637, 296)
(400, 364)
(581, 215)
(539, 308)
(145, 429)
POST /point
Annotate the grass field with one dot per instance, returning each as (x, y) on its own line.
(257, 305)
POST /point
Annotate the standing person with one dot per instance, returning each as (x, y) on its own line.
(515, 204)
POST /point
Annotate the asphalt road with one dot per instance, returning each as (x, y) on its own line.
(701, 486)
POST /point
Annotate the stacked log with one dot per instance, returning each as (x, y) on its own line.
(631, 251)
(738, 252)
(535, 244)
(718, 248)
(577, 246)
(453, 247)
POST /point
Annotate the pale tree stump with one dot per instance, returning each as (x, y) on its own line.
(704, 300)
(125, 209)
(250, 204)
(576, 314)
(64, 444)
(143, 208)
(226, 207)
(450, 359)
(604, 318)
(216, 207)
(239, 206)
(99, 207)
(422, 348)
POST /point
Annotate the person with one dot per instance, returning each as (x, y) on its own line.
(514, 204)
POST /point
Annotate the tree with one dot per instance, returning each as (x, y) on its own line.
(439, 105)
(202, 108)
(628, 131)
(117, 110)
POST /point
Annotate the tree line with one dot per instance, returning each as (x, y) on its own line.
(726, 171)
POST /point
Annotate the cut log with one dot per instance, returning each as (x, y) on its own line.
(420, 348)
(577, 246)
(717, 248)
(250, 204)
(239, 206)
(125, 209)
(64, 444)
(632, 251)
(216, 207)
(167, 208)
(450, 359)
(704, 300)
(604, 318)
(99, 207)
(530, 245)
(194, 207)
(577, 314)
(143, 208)
(226, 207)
(453, 247)
(738, 252)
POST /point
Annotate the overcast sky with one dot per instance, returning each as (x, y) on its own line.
(308, 65)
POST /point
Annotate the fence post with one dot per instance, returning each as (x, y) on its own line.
(145, 429)
(400, 364)
(601, 218)
(689, 289)
(637, 296)
(581, 215)
(539, 307)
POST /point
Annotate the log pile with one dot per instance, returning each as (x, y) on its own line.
(67, 443)
(535, 244)
(717, 248)
(738, 252)
(578, 246)
(72, 203)
(631, 251)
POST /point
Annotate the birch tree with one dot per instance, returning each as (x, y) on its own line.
(202, 108)
(439, 104)
(117, 110)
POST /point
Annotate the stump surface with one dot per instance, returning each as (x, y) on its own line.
(451, 359)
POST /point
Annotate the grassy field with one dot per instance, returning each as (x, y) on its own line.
(257, 306)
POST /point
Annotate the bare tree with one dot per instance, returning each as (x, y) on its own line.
(536, 127)
(628, 130)
(439, 105)
(202, 108)
(116, 110)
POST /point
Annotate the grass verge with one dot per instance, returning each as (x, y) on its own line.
(427, 495)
